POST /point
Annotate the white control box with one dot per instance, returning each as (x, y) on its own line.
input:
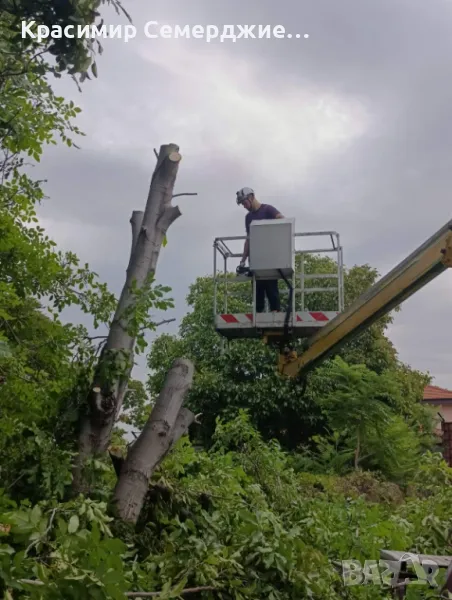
(272, 248)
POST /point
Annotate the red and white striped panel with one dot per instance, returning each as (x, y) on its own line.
(315, 316)
(277, 318)
(241, 318)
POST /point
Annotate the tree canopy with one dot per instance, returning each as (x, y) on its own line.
(46, 358)
(54, 53)
(242, 374)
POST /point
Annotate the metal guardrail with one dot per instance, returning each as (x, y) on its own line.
(222, 253)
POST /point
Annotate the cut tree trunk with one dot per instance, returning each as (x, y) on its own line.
(116, 360)
(167, 422)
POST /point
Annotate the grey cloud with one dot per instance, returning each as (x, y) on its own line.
(386, 191)
(353, 46)
(94, 187)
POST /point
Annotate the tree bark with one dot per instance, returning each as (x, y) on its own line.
(167, 422)
(184, 419)
(116, 360)
(136, 221)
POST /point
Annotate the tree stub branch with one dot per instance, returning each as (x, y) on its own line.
(164, 322)
(175, 156)
(186, 592)
(169, 215)
(185, 194)
(136, 221)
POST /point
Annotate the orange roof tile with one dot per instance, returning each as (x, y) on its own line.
(433, 392)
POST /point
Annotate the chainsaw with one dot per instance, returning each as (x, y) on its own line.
(242, 270)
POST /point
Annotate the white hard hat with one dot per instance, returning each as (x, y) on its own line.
(243, 194)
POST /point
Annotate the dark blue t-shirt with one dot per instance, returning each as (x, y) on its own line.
(265, 211)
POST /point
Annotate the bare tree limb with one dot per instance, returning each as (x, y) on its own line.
(31, 581)
(104, 337)
(186, 592)
(185, 194)
(195, 590)
(164, 322)
(49, 527)
(156, 154)
(21, 475)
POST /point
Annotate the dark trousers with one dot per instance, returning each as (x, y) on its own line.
(270, 289)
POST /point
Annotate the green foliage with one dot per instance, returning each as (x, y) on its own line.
(68, 549)
(45, 366)
(395, 452)
(432, 475)
(240, 518)
(43, 382)
(149, 296)
(237, 518)
(56, 53)
(331, 454)
(136, 405)
(33, 464)
(242, 374)
(356, 401)
(367, 426)
(48, 366)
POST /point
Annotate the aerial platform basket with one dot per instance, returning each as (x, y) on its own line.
(274, 255)
(246, 325)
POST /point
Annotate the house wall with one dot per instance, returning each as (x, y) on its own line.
(446, 412)
(443, 430)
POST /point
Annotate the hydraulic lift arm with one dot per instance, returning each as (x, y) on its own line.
(422, 266)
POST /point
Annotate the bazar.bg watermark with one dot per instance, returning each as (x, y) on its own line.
(152, 30)
(388, 572)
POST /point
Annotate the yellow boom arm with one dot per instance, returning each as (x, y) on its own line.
(419, 268)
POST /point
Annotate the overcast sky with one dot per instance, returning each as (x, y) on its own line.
(348, 129)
